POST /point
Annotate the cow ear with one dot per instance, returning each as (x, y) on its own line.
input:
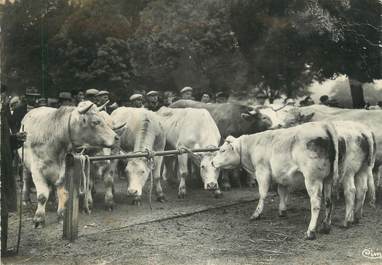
(245, 116)
(306, 118)
(84, 107)
(230, 139)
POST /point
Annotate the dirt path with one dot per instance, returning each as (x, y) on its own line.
(215, 236)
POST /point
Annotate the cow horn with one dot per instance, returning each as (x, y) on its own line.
(115, 128)
(85, 108)
(100, 108)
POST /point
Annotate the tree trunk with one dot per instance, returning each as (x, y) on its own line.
(356, 91)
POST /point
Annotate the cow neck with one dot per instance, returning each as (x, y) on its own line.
(71, 143)
(242, 162)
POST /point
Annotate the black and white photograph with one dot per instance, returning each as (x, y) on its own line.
(191, 132)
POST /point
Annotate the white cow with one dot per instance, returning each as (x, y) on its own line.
(143, 132)
(191, 129)
(52, 133)
(306, 153)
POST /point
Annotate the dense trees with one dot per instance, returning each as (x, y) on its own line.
(276, 46)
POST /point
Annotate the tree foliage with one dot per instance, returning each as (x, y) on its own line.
(275, 46)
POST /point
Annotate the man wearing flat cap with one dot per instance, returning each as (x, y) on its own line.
(102, 97)
(152, 100)
(136, 100)
(221, 97)
(186, 93)
(91, 95)
(65, 99)
(260, 98)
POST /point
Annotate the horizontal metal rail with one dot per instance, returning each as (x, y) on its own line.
(153, 153)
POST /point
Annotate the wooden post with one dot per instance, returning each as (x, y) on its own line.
(72, 182)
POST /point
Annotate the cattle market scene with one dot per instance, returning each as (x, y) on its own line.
(217, 132)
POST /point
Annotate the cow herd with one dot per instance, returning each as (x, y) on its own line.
(324, 150)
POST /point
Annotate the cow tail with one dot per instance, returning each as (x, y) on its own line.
(334, 139)
(370, 164)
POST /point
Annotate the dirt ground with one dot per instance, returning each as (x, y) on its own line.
(209, 231)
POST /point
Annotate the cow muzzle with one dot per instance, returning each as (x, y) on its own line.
(212, 186)
(132, 192)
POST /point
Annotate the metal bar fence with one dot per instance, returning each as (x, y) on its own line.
(73, 171)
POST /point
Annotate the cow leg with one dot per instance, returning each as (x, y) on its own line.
(349, 193)
(109, 187)
(371, 188)
(284, 196)
(360, 194)
(226, 185)
(314, 189)
(182, 165)
(328, 206)
(263, 180)
(62, 195)
(157, 179)
(26, 186)
(42, 197)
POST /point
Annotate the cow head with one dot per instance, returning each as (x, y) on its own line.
(137, 172)
(256, 120)
(228, 155)
(208, 172)
(89, 128)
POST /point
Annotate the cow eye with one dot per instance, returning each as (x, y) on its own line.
(95, 123)
(222, 151)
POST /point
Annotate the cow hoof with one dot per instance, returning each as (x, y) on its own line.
(226, 187)
(137, 202)
(109, 206)
(255, 217)
(310, 235)
(27, 203)
(283, 213)
(356, 220)
(161, 199)
(325, 229)
(60, 215)
(39, 221)
(218, 195)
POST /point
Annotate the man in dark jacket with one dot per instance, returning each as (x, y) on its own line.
(9, 143)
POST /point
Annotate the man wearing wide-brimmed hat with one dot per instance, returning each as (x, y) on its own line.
(152, 100)
(186, 93)
(136, 100)
(91, 95)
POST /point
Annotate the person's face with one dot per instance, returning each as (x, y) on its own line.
(138, 103)
(221, 99)
(187, 95)
(66, 102)
(103, 99)
(153, 98)
(80, 96)
(260, 101)
(205, 98)
(30, 100)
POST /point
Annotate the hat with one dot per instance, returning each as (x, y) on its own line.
(14, 100)
(52, 101)
(31, 91)
(261, 95)
(152, 93)
(91, 92)
(103, 92)
(42, 101)
(65, 95)
(135, 96)
(221, 94)
(185, 89)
